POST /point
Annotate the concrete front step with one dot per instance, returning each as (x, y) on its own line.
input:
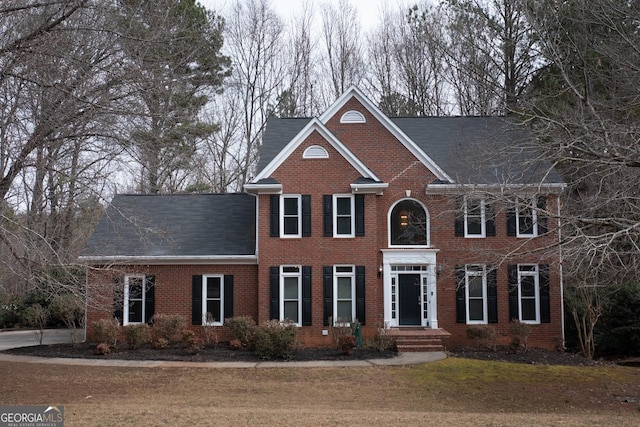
(413, 348)
(419, 339)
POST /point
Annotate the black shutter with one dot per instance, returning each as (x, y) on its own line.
(511, 222)
(149, 298)
(327, 215)
(492, 296)
(490, 217)
(306, 296)
(327, 282)
(542, 215)
(118, 299)
(274, 297)
(360, 294)
(512, 271)
(306, 215)
(359, 214)
(275, 216)
(196, 300)
(228, 297)
(545, 300)
(459, 216)
(461, 306)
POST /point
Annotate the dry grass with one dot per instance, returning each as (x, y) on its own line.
(450, 392)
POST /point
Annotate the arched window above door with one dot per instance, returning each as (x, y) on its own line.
(409, 224)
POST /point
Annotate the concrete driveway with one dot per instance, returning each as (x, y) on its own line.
(26, 338)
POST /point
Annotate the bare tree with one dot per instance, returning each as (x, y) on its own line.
(491, 53)
(255, 44)
(583, 105)
(344, 56)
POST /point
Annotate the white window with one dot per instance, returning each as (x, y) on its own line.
(291, 293)
(212, 300)
(474, 218)
(343, 215)
(344, 288)
(526, 219)
(476, 294)
(291, 217)
(528, 293)
(134, 299)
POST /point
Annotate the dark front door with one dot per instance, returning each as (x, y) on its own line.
(409, 297)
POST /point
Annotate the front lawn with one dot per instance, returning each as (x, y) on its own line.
(455, 391)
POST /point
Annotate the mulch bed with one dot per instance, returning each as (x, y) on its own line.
(223, 353)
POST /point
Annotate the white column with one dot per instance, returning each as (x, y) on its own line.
(433, 300)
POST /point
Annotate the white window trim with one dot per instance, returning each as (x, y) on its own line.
(282, 216)
(204, 299)
(469, 272)
(534, 219)
(535, 273)
(298, 275)
(352, 276)
(125, 308)
(483, 221)
(427, 226)
(352, 215)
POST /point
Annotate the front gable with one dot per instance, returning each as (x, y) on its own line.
(314, 143)
(339, 119)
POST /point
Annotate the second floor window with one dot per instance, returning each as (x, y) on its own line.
(343, 218)
(291, 219)
(408, 224)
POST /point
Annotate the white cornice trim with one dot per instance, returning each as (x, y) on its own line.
(174, 260)
(389, 125)
(377, 188)
(263, 188)
(318, 126)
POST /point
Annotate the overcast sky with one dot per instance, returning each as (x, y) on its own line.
(367, 9)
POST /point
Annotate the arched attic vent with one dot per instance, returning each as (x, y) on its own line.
(353, 117)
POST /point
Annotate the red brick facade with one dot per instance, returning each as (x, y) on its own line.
(407, 178)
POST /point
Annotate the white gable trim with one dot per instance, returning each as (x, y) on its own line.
(315, 125)
(389, 125)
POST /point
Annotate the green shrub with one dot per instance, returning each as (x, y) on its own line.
(10, 306)
(102, 349)
(137, 335)
(519, 333)
(210, 332)
(242, 328)
(347, 343)
(168, 326)
(106, 331)
(338, 329)
(36, 316)
(484, 335)
(67, 309)
(275, 340)
(192, 343)
(618, 331)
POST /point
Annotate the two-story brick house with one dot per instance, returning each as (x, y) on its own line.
(434, 223)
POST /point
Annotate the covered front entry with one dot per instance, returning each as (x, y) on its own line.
(409, 278)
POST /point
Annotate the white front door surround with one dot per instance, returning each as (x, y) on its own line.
(422, 262)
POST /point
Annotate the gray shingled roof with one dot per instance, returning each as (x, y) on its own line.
(176, 225)
(471, 150)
